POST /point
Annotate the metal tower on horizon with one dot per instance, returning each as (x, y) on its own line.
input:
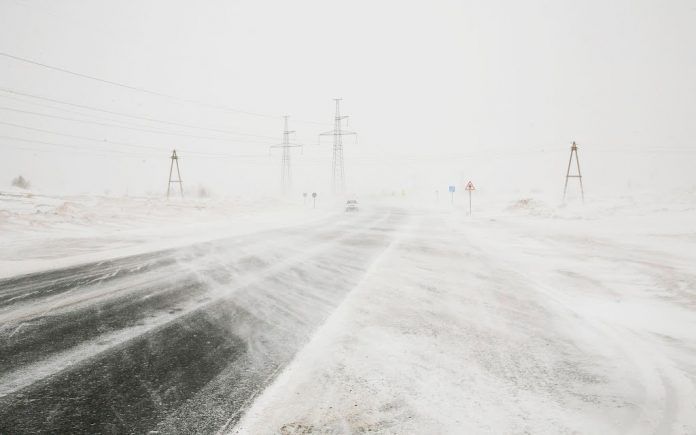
(338, 176)
(285, 172)
(573, 150)
(175, 159)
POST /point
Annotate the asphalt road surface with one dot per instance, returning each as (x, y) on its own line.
(179, 340)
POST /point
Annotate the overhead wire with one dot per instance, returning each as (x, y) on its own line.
(73, 136)
(148, 91)
(127, 127)
(90, 117)
(127, 153)
(127, 115)
(53, 144)
(139, 127)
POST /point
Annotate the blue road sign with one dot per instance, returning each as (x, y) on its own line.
(451, 189)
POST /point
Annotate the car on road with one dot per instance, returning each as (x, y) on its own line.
(351, 205)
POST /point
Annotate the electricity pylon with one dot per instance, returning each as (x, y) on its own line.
(175, 159)
(338, 179)
(573, 150)
(285, 172)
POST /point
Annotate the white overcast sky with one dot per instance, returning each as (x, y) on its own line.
(439, 91)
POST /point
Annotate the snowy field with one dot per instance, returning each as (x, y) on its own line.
(39, 232)
(527, 317)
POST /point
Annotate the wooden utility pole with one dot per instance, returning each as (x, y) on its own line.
(175, 159)
(573, 150)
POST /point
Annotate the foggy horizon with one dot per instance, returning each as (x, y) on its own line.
(438, 94)
(322, 217)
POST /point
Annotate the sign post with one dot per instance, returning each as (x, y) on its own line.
(451, 191)
(304, 196)
(470, 188)
(314, 199)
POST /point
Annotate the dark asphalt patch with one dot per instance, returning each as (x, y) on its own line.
(130, 389)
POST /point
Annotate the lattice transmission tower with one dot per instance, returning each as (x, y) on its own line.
(338, 175)
(285, 145)
(175, 160)
(573, 150)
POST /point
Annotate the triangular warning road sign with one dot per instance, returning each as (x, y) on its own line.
(469, 186)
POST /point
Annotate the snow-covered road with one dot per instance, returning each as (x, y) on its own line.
(396, 320)
(176, 340)
(505, 325)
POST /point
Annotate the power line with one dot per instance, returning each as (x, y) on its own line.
(147, 130)
(121, 124)
(143, 90)
(126, 153)
(91, 153)
(145, 118)
(285, 172)
(64, 145)
(73, 136)
(41, 104)
(125, 86)
(338, 178)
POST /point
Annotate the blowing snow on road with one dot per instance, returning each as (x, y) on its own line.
(397, 319)
(316, 217)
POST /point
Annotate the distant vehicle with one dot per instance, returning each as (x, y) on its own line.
(351, 205)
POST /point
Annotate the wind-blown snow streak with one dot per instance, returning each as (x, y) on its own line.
(254, 299)
(505, 325)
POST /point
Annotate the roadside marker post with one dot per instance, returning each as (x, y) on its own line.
(304, 196)
(451, 191)
(470, 188)
(314, 199)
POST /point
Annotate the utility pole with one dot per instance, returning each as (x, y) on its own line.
(285, 173)
(573, 150)
(338, 179)
(175, 159)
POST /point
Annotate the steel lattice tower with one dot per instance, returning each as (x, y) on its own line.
(574, 150)
(338, 175)
(175, 159)
(285, 172)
